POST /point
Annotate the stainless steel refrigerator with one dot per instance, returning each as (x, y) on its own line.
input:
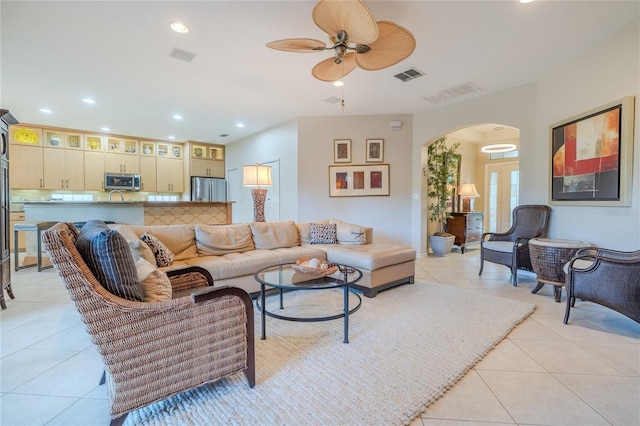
(208, 189)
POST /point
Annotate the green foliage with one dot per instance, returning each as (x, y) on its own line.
(442, 168)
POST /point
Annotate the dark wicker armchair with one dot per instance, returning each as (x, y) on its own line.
(152, 351)
(607, 277)
(511, 248)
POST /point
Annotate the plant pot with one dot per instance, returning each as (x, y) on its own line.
(440, 245)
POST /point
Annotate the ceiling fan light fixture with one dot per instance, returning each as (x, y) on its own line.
(498, 147)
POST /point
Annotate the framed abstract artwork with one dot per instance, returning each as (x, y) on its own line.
(342, 151)
(359, 180)
(375, 150)
(591, 156)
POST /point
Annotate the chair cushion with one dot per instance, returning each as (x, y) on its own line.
(156, 285)
(501, 246)
(323, 233)
(164, 256)
(107, 254)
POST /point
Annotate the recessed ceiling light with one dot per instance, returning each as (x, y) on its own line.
(46, 110)
(338, 83)
(179, 27)
(171, 137)
(239, 125)
(88, 101)
(177, 117)
(498, 147)
(105, 129)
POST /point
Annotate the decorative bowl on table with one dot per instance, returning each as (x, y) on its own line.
(314, 266)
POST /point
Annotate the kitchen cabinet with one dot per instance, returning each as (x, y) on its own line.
(27, 171)
(170, 175)
(206, 160)
(63, 169)
(94, 170)
(467, 227)
(148, 173)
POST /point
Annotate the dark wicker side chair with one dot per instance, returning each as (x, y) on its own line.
(511, 248)
(609, 278)
(154, 350)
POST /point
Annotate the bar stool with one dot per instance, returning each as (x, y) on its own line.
(37, 227)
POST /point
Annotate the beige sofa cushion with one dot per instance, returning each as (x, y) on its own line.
(348, 233)
(180, 239)
(216, 240)
(273, 235)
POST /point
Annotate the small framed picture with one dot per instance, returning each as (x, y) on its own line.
(342, 151)
(375, 150)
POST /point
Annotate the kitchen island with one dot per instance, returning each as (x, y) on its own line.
(130, 212)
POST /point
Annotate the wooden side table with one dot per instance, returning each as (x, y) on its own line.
(548, 257)
(467, 227)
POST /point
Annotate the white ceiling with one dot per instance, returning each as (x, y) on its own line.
(55, 53)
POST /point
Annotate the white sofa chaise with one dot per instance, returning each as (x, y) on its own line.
(234, 253)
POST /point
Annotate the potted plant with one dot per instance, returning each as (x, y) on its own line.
(442, 167)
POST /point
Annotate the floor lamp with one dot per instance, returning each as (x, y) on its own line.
(256, 177)
(468, 192)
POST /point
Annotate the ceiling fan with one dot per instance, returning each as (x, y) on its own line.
(356, 39)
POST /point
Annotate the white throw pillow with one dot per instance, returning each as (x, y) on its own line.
(155, 283)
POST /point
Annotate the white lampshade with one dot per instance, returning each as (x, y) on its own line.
(256, 175)
(468, 190)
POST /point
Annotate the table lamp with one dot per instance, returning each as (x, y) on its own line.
(255, 177)
(468, 192)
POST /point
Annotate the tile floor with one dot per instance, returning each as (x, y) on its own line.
(544, 373)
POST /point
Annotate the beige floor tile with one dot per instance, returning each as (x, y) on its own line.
(624, 357)
(540, 399)
(75, 376)
(508, 357)
(565, 357)
(22, 366)
(469, 400)
(616, 398)
(32, 410)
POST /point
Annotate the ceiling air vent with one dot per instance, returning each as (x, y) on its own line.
(452, 92)
(333, 100)
(183, 55)
(409, 74)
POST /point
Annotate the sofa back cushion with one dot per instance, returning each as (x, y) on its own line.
(106, 252)
(349, 233)
(273, 235)
(180, 239)
(217, 240)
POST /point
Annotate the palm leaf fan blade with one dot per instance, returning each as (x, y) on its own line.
(394, 44)
(328, 70)
(301, 45)
(354, 17)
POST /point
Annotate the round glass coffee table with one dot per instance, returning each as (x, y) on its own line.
(284, 278)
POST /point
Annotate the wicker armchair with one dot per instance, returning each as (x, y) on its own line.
(511, 248)
(152, 351)
(607, 277)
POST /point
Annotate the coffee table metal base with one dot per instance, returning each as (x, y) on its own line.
(260, 304)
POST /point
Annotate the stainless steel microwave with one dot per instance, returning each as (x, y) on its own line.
(123, 182)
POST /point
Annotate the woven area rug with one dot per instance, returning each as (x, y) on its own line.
(407, 347)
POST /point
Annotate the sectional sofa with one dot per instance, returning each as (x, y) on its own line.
(234, 253)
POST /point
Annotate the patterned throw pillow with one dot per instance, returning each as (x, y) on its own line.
(322, 233)
(107, 254)
(164, 256)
